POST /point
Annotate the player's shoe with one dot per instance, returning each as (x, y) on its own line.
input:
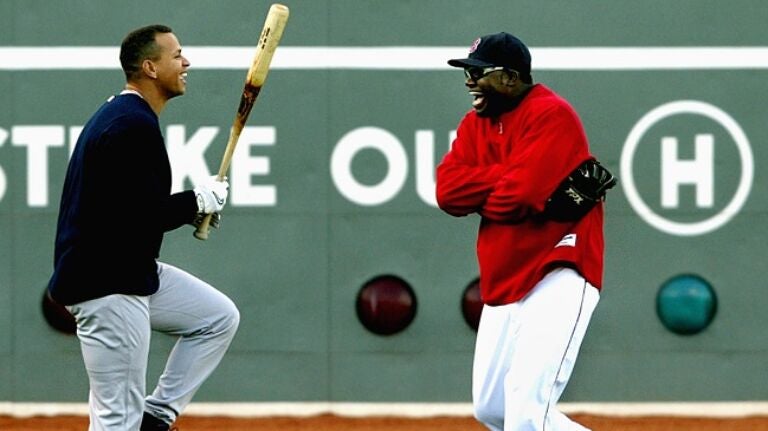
(151, 423)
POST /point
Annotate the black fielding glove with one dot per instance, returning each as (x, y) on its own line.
(579, 192)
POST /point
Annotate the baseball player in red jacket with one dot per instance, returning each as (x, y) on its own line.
(539, 274)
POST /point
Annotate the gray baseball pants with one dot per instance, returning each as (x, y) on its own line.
(114, 333)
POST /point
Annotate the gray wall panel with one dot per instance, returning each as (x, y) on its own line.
(294, 268)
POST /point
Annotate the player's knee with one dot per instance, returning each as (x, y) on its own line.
(233, 319)
(228, 321)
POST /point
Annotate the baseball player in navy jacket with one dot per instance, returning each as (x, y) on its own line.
(115, 207)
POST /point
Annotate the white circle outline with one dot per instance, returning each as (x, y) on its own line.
(745, 154)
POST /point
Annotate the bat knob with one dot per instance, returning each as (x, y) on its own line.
(202, 235)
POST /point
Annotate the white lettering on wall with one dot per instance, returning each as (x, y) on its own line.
(376, 139)
(425, 166)
(698, 172)
(188, 148)
(37, 140)
(74, 133)
(188, 155)
(384, 142)
(245, 167)
(3, 182)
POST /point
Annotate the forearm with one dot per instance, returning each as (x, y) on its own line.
(463, 190)
(177, 210)
(512, 200)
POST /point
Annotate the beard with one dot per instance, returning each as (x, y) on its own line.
(494, 104)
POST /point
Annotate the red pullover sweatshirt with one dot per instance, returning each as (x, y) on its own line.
(505, 169)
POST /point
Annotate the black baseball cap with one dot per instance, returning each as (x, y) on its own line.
(499, 49)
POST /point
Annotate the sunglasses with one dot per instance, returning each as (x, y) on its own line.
(477, 73)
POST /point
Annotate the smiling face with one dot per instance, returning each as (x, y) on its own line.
(487, 90)
(170, 66)
(492, 90)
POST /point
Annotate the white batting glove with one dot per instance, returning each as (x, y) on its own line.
(212, 195)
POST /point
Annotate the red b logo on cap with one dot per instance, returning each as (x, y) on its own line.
(474, 45)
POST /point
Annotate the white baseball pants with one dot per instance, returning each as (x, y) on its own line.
(114, 333)
(525, 353)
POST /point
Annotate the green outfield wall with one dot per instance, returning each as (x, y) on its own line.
(333, 185)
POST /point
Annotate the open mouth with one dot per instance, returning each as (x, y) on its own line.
(184, 77)
(478, 101)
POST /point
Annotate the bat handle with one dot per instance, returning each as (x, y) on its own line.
(201, 232)
(203, 228)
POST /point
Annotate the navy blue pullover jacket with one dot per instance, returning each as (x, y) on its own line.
(116, 205)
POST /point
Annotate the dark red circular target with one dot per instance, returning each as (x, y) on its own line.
(471, 304)
(57, 316)
(386, 305)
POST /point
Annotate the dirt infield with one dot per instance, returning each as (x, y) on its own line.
(335, 423)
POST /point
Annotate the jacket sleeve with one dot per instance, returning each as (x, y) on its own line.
(462, 182)
(140, 172)
(177, 210)
(551, 147)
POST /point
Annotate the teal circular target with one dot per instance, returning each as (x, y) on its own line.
(686, 304)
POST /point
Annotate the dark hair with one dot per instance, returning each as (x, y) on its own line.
(138, 46)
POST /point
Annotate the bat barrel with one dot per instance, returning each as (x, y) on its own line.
(268, 41)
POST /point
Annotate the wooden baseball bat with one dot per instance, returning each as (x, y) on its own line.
(257, 75)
